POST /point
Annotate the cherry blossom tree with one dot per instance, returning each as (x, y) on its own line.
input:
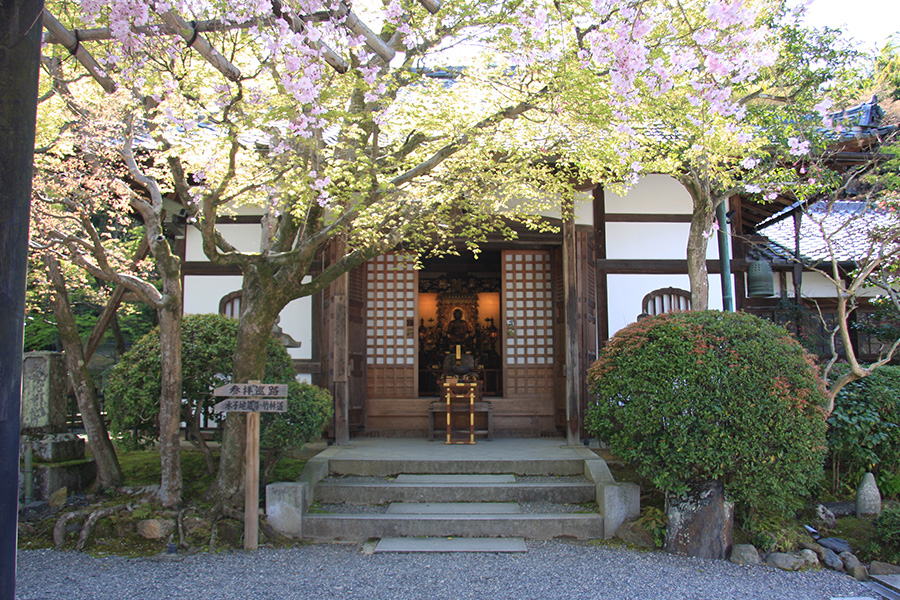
(357, 141)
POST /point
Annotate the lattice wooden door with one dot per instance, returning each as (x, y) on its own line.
(390, 328)
(528, 332)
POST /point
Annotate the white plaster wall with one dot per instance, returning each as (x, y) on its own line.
(816, 285)
(627, 291)
(642, 241)
(584, 208)
(244, 237)
(653, 194)
(202, 294)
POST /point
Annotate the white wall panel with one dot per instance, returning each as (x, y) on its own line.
(655, 194)
(627, 291)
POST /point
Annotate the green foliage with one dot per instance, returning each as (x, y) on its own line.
(208, 346)
(654, 520)
(887, 532)
(688, 397)
(863, 433)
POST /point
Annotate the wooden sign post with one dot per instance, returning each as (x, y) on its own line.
(252, 398)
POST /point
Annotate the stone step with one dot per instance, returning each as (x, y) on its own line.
(361, 526)
(403, 544)
(474, 465)
(453, 478)
(454, 508)
(357, 492)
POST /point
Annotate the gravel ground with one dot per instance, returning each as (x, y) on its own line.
(548, 571)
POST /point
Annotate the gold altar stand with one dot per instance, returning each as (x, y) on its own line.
(461, 401)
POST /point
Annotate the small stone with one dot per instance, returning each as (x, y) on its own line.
(859, 573)
(58, 498)
(819, 550)
(836, 544)
(882, 568)
(784, 561)
(826, 517)
(232, 532)
(191, 524)
(744, 554)
(633, 534)
(155, 529)
(850, 561)
(868, 498)
(832, 561)
(124, 528)
(809, 557)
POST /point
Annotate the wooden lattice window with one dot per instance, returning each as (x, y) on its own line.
(528, 297)
(390, 311)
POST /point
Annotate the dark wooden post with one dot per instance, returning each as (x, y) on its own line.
(573, 328)
(340, 305)
(20, 45)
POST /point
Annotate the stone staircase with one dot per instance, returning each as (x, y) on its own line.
(401, 497)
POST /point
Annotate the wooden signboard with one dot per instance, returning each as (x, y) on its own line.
(252, 398)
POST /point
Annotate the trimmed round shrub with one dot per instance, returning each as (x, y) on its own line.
(208, 344)
(700, 396)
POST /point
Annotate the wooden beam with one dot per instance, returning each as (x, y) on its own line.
(646, 218)
(296, 24)
(355, 24)
(432, 6)
(71, 42)
(199, 43)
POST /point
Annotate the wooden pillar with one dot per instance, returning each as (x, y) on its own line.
(573, 328)
(339, 303)
(20, 47)
(251, 483)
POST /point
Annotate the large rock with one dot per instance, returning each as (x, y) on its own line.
(809, 557)
(868, 498)
(859, 573)
(784, 561)
(832, 561)
(631, 532)
(819, 550)
(825, 517)
(837, 545)
(155, 529)
(882, 568)
(850, 561)
(744, 554)
(701, 523)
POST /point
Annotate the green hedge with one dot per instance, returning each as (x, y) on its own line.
(864, 429)
(695, 396)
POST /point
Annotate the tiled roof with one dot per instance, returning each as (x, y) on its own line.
(847, 225)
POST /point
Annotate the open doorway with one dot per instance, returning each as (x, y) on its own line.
(459, 305)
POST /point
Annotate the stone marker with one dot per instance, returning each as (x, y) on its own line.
(701, 523)
(43, 392)
(744, 554)
(868, 498)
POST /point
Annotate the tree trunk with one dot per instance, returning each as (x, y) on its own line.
(258, 314)
(702, 219)
(108, 471)
(170, 406)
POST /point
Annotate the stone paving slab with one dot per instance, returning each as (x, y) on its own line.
(453, 508)
(457, 479)
(399, 544)
(890, 581)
